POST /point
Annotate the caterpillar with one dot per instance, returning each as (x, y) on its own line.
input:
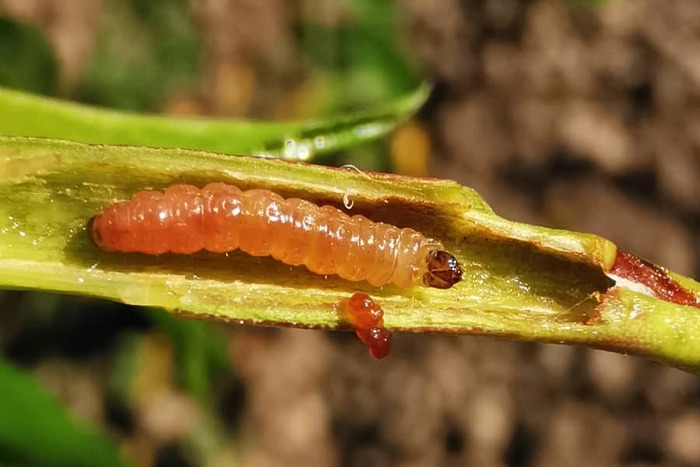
(367, 318)
(221, 218)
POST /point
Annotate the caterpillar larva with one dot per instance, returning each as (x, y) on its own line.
(367, 318)
(221, 218)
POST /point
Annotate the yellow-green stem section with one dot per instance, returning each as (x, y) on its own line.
(520, 281)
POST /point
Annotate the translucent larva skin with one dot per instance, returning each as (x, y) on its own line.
(221, 218)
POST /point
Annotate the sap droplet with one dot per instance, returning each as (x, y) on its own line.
(303, 151)
(347, 202)
(290, 149)
(369, 130)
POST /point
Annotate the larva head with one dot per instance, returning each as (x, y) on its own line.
(93, 233)
(443, 270)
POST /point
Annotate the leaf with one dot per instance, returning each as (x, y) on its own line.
(26, 58)
(165, 62)
(520, 281)
(36, 430)
(28, 115)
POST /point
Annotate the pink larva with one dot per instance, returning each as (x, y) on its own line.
(221, 218)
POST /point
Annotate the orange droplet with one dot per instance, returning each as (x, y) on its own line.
(367, 317)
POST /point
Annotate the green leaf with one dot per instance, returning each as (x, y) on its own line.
(362, 54)
(26, 59)
(166, 60)
(520, 281)
(29, 115)
(36, 430)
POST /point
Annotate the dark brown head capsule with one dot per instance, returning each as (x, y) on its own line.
(443, 270)
(92, 233)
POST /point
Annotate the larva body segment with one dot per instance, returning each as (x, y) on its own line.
(221, 218)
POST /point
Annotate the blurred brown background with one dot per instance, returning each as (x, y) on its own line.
(572, 115)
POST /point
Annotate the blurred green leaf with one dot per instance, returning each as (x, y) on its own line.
(28, 115)
(26, 59)
(124, 76)
(376, 45)
(362, 53)
(35, 429)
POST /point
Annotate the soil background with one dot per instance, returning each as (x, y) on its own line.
(559, 114)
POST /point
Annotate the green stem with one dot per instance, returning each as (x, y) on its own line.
(521, 281)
